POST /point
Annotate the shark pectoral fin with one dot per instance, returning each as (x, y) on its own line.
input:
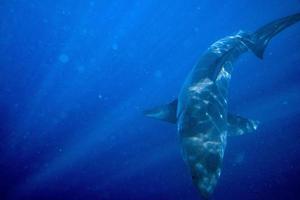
(239, 126)
(165, 112)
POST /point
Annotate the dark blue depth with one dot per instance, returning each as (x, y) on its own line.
(75, 77)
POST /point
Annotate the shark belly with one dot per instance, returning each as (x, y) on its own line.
(202, 128)
(202, 113)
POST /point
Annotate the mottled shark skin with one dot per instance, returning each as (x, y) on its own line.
(201, 111)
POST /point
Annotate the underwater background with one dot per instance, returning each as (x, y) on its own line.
(75, 77)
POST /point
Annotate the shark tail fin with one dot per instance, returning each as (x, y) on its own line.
(261, 38)
(238, 125)
(165, 112)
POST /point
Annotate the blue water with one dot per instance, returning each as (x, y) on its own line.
(75, 77)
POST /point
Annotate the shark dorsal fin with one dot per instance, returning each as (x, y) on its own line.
(239, 125)
(165, 112)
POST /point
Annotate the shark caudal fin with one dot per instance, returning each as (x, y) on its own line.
(261, 38)
(165, 112)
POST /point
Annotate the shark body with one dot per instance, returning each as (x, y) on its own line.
(201, 111)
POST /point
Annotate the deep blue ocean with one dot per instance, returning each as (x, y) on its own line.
(75, 77)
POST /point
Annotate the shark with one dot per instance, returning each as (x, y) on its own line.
(201, 110)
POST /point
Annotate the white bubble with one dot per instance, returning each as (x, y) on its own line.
(63, 58)
(80, 69)
(92, 3)
(158, 74)
(239, 158)
(115, 46)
